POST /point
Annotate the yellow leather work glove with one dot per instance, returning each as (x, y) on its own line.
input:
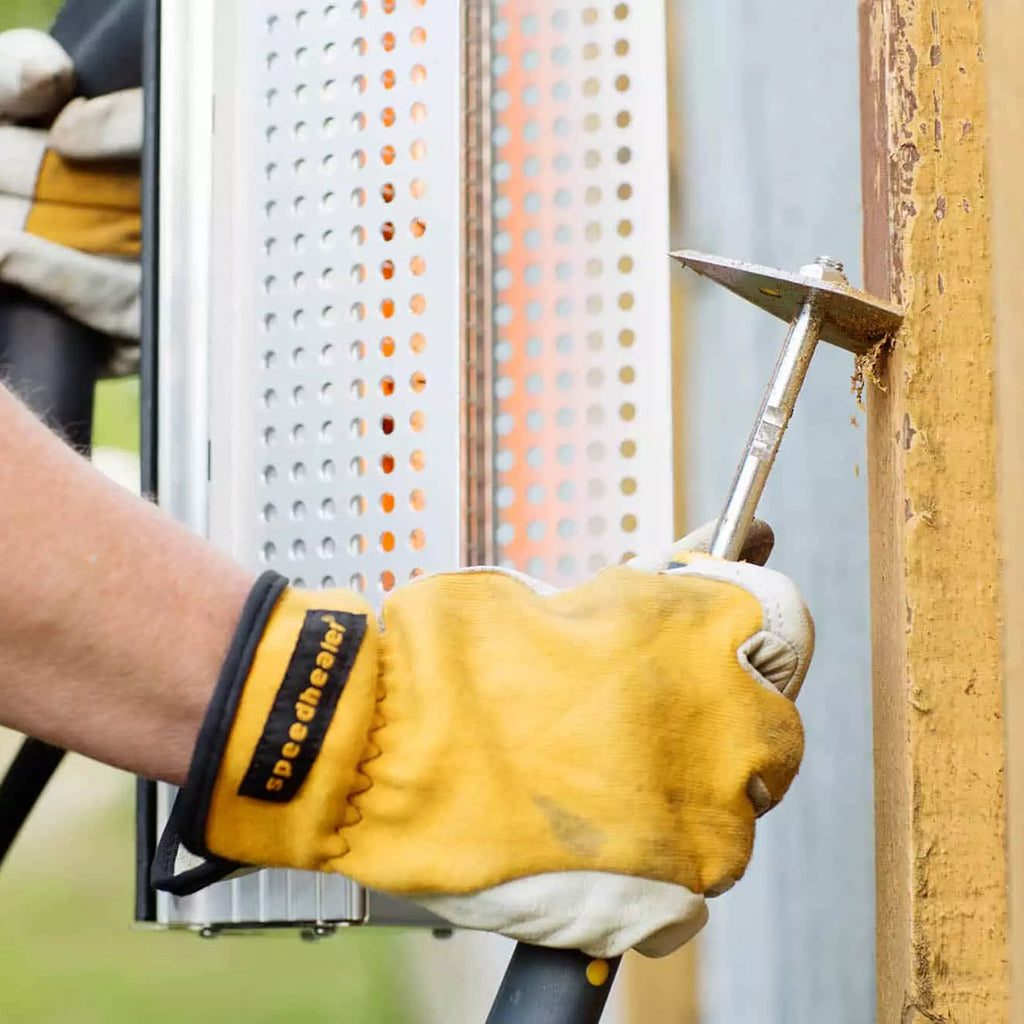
(574, 768)
(69, 193)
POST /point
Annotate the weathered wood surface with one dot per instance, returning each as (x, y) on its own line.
(938, 671)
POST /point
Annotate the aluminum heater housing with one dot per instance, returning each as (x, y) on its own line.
(411, 310)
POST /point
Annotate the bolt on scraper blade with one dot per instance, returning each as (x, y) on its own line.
(853, 319)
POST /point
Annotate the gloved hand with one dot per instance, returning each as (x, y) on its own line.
(574, 769)
(69, 193)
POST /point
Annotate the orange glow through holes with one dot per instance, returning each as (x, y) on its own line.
(418, 36)
(387, 580)
(387, 191)
(387, 503)
(417, 265)
(387, 155)
(418, 500)
(387, 424)
(387, 463)
(418, 342)
(387, 116)
(387, 270)
(388, 41)
(387, 541)
(418, 227)
(417, 420)
(387, 347)
(417, 461)
(387, 387)
(418, 381)
(387, 308)
(417, 540)
(387, 230)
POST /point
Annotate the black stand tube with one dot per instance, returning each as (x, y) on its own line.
(553, 986)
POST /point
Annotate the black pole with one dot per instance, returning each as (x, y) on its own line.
(553, 986)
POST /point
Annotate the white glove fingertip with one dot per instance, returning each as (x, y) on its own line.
(105, 128)
(36, 73)
(780, 653)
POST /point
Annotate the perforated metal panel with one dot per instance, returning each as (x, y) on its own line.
(409, 318)
(579, 168)
(332, 359)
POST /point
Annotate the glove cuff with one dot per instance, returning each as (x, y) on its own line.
(284, 731)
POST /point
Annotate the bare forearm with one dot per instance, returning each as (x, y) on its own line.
(113, 619)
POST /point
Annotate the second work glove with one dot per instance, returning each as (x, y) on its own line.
(575, 768)
(70, 191)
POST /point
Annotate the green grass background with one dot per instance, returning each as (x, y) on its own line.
(68, 950)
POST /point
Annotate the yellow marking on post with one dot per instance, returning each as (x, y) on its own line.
(597, 972)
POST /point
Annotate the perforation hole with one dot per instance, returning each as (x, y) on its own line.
(357, 582)
(418, 343)
(418, 36)
(387, 41)
(387, 386)
(387, 230)
(418, 149)
(387, 580)
(387, 117)
(387, 425)
(387, 192)
(417, 421)
(418, 381)
(387, 78)
(417, 74)
(417, 305)
(387, 270)
(387, 155)
(417, 500)
(387, 347)
(387, 503)
(387, 308)
(417, 460)
(387, 541)
(417, 226)
(417, 540)
(418, 113)
(417, 266)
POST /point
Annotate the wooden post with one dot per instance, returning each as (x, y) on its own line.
(938, 669)
(1005, 39)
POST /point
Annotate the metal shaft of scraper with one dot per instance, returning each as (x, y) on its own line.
(772, 419)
